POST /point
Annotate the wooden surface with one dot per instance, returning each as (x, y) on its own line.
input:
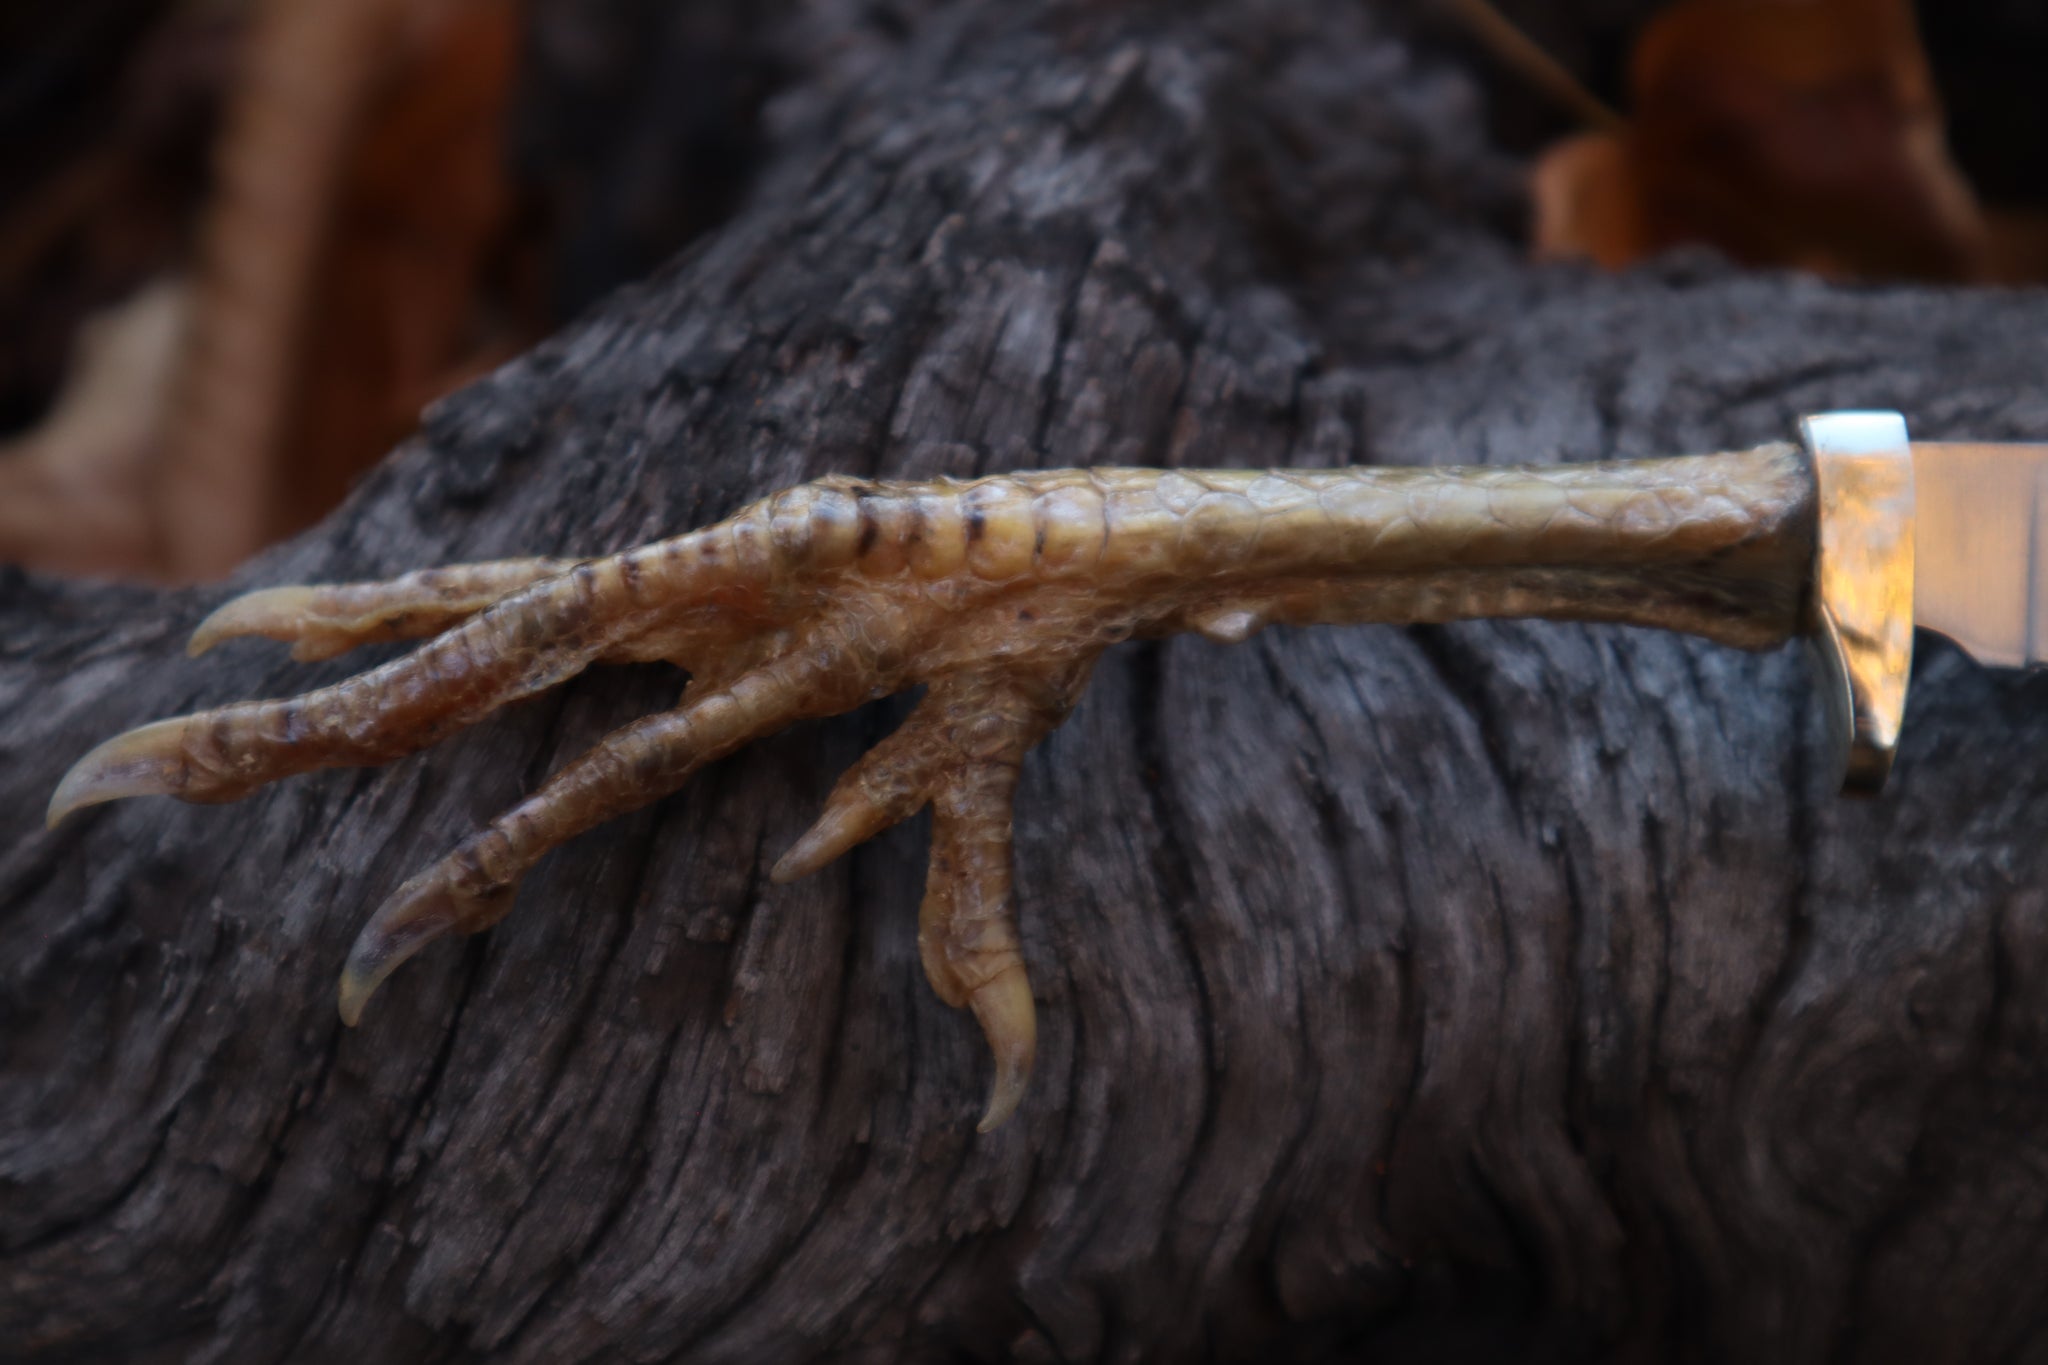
(1483, 992)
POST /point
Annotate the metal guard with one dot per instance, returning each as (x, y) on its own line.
(1862, 626)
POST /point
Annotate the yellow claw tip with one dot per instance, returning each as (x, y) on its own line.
(275, 612)
(375, 955)
(419, 912)
(1001, 1105)
(842, 825)
(355, 993)
(139, 762)
(1009, 1018)
(212, 631)
(790, 867)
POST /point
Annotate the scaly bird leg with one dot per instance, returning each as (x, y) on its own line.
(999, 594)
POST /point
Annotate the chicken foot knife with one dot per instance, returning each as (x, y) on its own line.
(999, 594)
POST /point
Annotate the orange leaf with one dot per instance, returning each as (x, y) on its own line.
(423, 208)
(1785, 132)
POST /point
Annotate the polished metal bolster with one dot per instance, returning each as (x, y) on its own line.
(1862, 613)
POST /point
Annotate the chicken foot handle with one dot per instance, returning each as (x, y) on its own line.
(997, 595)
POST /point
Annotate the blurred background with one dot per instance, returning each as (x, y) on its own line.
(244, 242)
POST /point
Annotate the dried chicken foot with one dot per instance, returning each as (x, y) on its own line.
(999, 595)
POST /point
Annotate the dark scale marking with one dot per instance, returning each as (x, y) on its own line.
(869, 527)
(646, 766)
(977, 524)
(222, 734)
(504, 868)
(468, 859)
(789, 531)
(574, 611)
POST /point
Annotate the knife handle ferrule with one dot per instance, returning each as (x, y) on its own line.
(1861, 622)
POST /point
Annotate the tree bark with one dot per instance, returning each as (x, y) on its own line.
(1496, 991)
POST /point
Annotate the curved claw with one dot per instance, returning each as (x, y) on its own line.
(847, 820)
(320, 621)
(890, 783)
(424, 909)
(146, 761)
(1009, 1020)
(967, 927)
(276, 613)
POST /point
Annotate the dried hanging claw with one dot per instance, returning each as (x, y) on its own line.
(998, 594)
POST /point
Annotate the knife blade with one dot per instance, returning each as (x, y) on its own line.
(1936, 535)
(1979, 576)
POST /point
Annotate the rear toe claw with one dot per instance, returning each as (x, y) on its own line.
(1009, 1019)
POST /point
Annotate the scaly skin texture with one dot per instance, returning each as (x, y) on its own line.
(996, 595)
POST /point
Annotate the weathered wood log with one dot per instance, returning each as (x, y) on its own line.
(1470, 991)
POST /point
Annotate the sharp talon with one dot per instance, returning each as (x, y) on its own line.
(354, 993)
(419, 912)
(278, 613)
(846, 822)
(891, 783)
(142, 762)
(1010, 1020)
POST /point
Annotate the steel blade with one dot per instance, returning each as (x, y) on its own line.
(1980, 548)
